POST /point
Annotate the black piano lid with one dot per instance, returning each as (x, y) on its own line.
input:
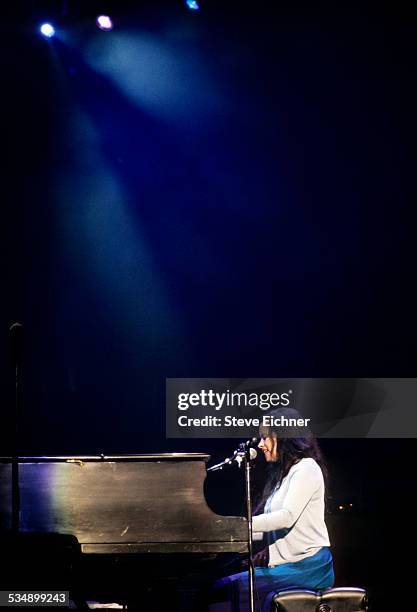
(118, 504)
(97, 458)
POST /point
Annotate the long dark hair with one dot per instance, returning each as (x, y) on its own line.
(293, 444)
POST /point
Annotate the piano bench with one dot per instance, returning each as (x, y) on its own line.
(341, 599)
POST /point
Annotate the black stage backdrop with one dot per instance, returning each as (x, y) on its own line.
(223, 193)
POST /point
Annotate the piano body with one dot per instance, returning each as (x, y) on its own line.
(137, 522)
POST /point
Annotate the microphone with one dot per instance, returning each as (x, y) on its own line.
(252, 453)
(237, 457)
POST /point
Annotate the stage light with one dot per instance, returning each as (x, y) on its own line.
(47, 30)
(192, 5)
(104, 22)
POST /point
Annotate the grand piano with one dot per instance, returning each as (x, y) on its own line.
(117, 528)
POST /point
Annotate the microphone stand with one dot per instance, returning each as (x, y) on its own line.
(251, 567)
(245, 454)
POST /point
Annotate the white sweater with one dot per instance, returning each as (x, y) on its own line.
(295, 513)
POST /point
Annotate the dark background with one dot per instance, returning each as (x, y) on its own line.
(248, 210)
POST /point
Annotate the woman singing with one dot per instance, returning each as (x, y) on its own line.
(297, 553)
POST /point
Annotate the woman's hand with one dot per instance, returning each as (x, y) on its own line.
(261, 559)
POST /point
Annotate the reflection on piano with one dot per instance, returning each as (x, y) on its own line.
(138, 522)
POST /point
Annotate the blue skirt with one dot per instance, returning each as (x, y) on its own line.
(312, 573)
